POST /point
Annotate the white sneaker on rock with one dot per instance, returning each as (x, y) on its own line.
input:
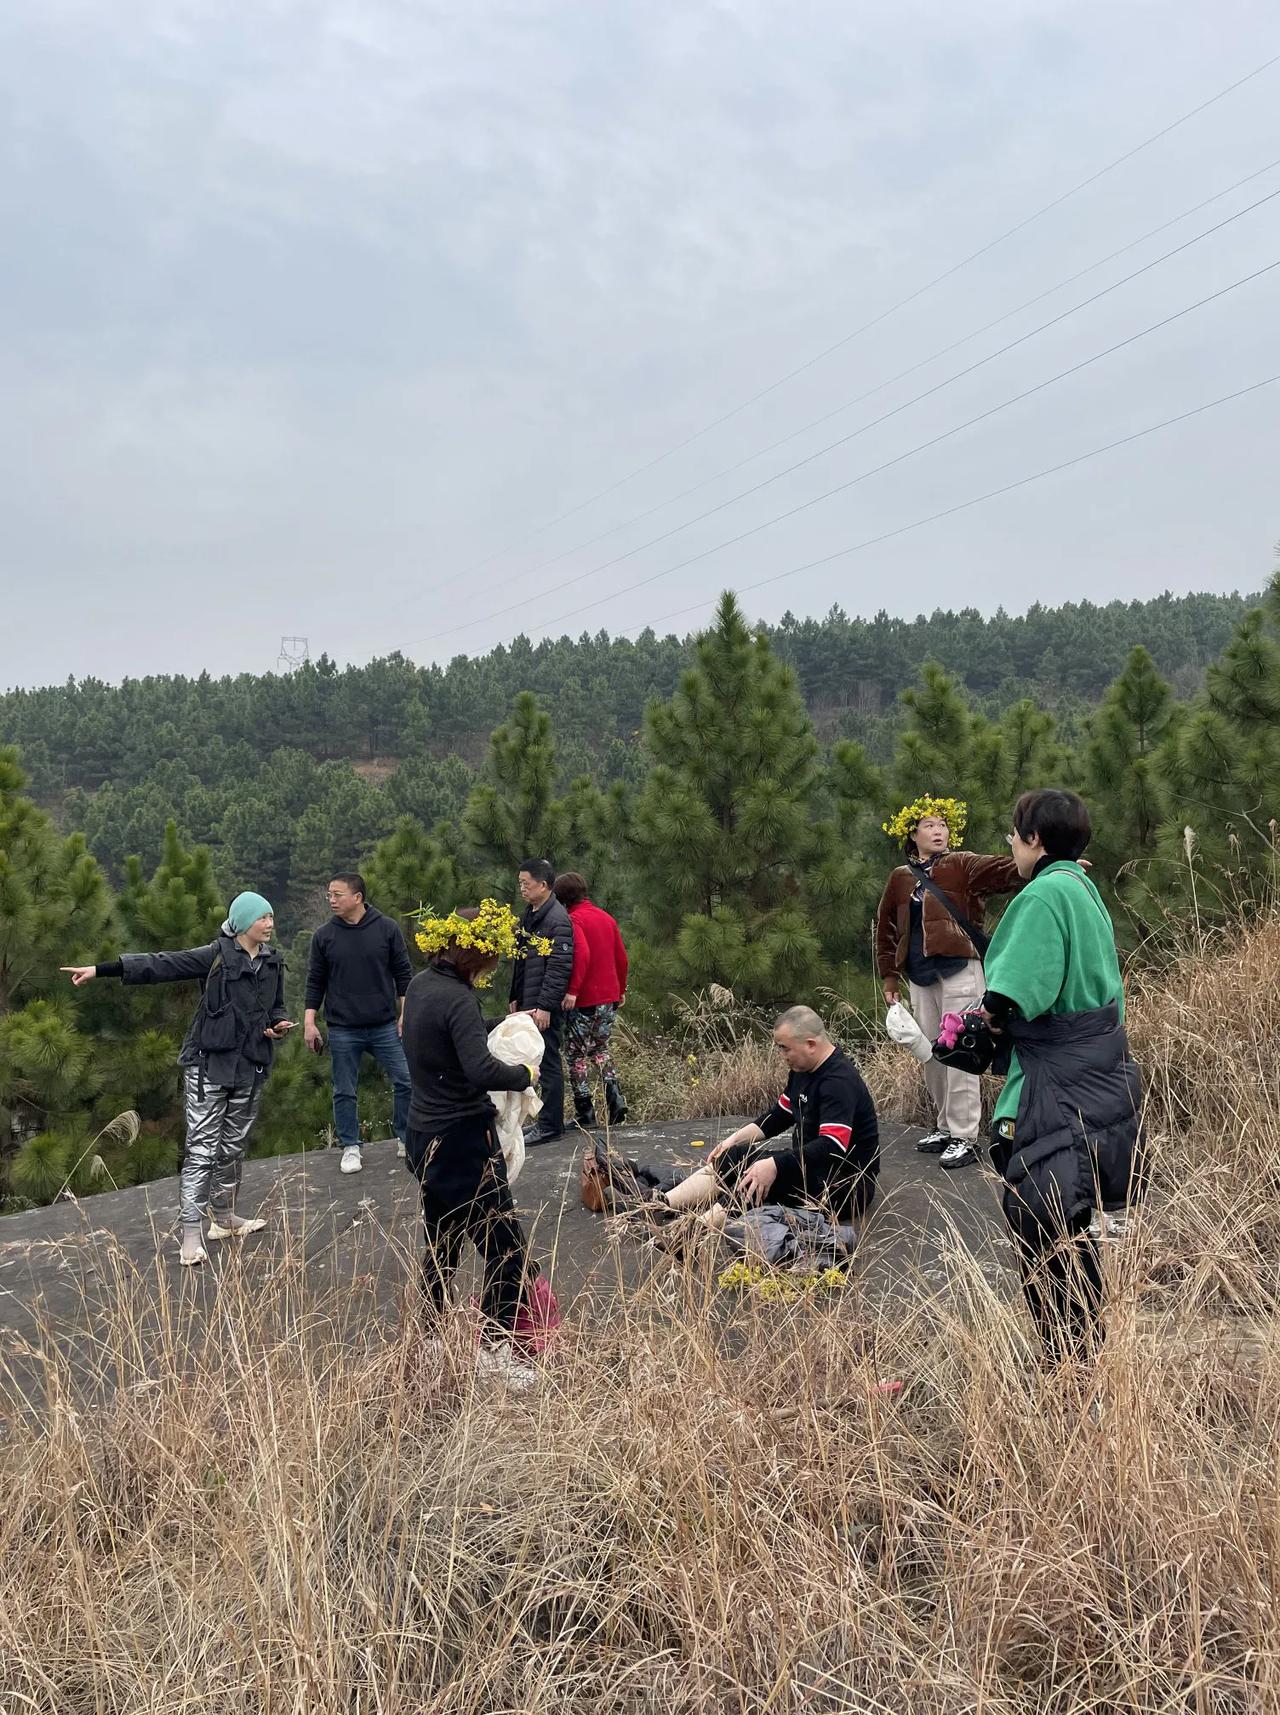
(958, 1153)
(502, 1364)
(400, 1149)
(192, 1251)
(352, 1160)
(934, 1143)
(236, 1228)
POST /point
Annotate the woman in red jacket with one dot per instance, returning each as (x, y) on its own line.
(597, 987)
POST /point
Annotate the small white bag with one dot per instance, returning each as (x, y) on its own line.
(903, 1029)
(517, 1041)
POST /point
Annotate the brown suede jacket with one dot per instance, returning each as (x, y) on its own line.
(970, 878)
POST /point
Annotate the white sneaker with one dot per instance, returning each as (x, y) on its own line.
(400, 1149)
(934, 1143)
(236, 1229)
(501, 1363)
(352, 1160)
(958, 1153)
(192, 1251)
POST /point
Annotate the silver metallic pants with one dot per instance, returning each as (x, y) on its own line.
(218, 1127)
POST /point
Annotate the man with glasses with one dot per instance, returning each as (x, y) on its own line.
(358, 972)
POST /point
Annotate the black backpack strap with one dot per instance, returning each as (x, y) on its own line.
(980, 940)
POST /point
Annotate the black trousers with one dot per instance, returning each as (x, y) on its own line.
(1061, 1280)
(465, 1195)
(551, 1081)
(847, 1194)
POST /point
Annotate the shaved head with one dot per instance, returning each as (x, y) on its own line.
(803, 1023)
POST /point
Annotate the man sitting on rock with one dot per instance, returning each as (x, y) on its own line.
(832, 1156)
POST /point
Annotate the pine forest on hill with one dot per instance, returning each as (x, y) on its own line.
(723, 795)
(351, 751)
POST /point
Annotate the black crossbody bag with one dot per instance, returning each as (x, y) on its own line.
(980, 940)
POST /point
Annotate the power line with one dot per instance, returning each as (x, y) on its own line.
(966, 505)
(860, 398)
(866, 327)
(854, 434)
(911, 452)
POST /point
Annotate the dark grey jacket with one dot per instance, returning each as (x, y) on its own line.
(447, 1047)
(1076, 1139)
(239, 998)
(542, 980)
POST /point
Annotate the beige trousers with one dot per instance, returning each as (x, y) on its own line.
(956, 1096)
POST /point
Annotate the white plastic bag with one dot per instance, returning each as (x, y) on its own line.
(903, 1029)
(517, 1041)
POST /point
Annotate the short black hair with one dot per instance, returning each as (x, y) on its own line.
(350, 878)
(1060, 818)
(541, 869)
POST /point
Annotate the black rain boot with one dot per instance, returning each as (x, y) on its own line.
(584, 1109)
(614, 1102)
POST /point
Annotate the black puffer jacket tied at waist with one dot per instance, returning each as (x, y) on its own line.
(1077, 1139)
(541, 981)
(241, 999)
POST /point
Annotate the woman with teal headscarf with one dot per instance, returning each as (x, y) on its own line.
(225, 1057)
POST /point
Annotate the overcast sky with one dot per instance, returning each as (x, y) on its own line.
(316, 314)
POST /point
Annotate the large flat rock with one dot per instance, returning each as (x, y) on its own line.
(61, 1267)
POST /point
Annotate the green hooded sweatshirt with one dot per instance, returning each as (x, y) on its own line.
(1054, 950)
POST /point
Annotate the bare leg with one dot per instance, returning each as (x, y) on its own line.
(699, 1190)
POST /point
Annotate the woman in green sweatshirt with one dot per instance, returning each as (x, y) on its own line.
(1066, 1128)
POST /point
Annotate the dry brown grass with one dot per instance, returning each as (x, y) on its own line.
(707, 1507)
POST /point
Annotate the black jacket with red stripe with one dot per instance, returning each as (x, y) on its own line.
(835, 1147)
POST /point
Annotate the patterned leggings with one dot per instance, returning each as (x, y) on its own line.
(587, 1032)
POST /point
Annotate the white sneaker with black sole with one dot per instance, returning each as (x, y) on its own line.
(352, 1160)
(958, 1153)
(934, 1143)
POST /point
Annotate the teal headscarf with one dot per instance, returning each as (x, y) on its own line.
(246, 908)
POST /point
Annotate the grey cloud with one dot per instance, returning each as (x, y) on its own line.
(307, 296)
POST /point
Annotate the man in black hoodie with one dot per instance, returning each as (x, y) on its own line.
(539, 985)
(359, 972)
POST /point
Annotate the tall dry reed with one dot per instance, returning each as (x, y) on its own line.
(708, 1506)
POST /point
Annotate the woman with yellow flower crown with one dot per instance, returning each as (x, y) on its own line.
(929, 930)
(451, 1143)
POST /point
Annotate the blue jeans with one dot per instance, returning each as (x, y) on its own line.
(348, 1045)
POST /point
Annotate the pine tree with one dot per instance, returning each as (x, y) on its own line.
(950, 750)
(727, 836)
(1122, 781)
(410, 869)
(54, 910)
(511, 814)
(1221, 770)
(180, 906)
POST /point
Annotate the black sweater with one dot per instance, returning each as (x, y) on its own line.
(358, 971)
(832, 1120)
(447, 1047)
